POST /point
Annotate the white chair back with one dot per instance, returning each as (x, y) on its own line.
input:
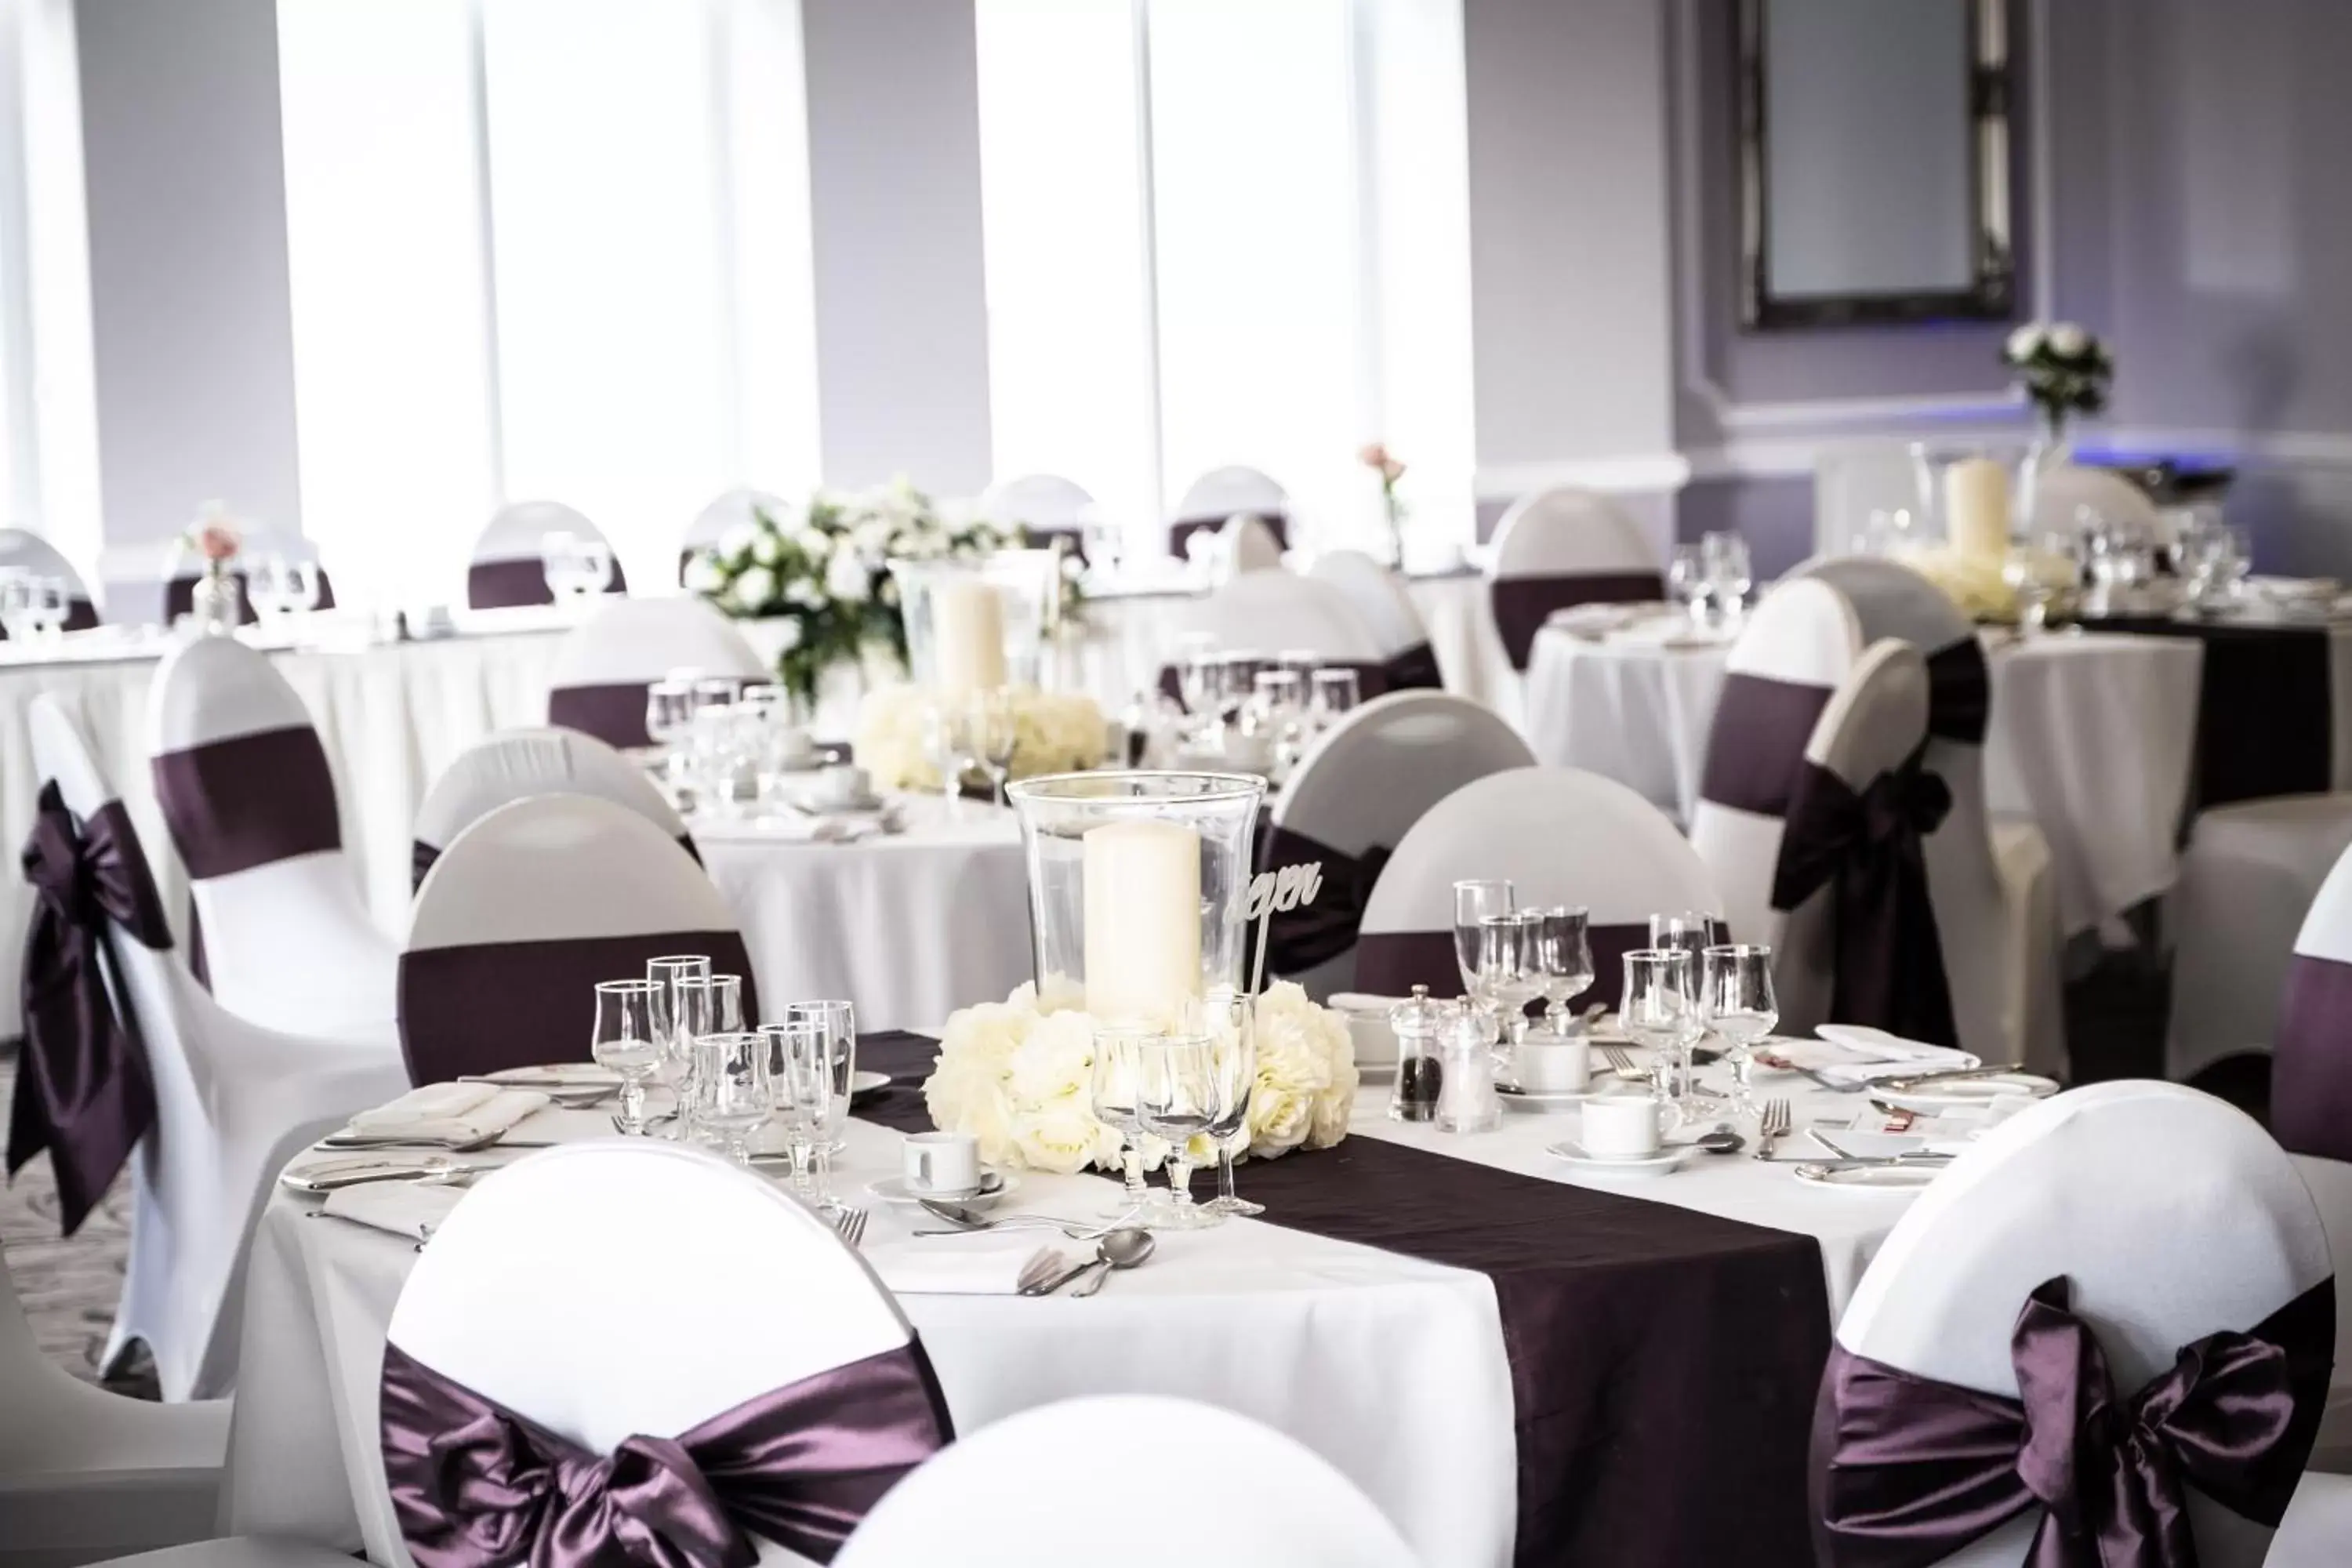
(1246, 544)
(526, 910)
(598, 680)
(1044, 501)
(21, 549)
(2171, 1214)
(506, 567)
(1421, 746)
(984, 1501)
(713, 523)
(2063, 491)
(1563, 836)
(1275, 612)
(1559, 547)
(1222, 494)
(516, 764)
(1379, 595)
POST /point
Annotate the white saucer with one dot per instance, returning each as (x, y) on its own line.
(1667, 1158)
(1560, 1100)
(861, 1084)
(993, 1185)
(845, 807)
(1868, 1178)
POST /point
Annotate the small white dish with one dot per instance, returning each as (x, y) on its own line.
(861, 1084)
(1523, 1100)
(1967, 1093)
(1569, 1152)
(993, 1186)
(1868, 1178)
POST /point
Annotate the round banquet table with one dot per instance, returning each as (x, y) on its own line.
(909, 925)
(2092, 736)
(1391, 1367)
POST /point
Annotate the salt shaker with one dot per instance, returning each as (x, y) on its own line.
(1467, 1100)
(1419, 1025)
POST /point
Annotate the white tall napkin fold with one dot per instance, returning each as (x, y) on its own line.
(964, 1265)
(449, 1112)
(413, 1209)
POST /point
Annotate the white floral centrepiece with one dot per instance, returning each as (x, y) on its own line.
(1018, 1075)
(1053, 733)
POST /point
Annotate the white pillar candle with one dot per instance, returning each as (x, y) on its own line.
(1143, 919)
(967, 636)
(1976, 508)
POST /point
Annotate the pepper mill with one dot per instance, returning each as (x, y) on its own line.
(1418, 1024)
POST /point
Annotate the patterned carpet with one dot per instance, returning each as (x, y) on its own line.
(68, 1285)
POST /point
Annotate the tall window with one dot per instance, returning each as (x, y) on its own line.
(542, 250)
(1229, 231)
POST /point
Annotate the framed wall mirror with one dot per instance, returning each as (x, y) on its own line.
(1875, 153)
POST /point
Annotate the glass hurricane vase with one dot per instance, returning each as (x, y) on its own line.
(977, 623)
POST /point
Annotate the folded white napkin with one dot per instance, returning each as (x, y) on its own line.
(449, 1112)
(1855, 1053)
(964, 1265)
(411, 1209)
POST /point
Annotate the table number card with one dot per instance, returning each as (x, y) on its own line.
(1279, 892)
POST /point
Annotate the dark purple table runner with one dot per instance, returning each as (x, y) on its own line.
(1663, 1362)
(2265, 714)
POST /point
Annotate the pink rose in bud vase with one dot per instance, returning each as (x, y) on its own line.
(216, 541)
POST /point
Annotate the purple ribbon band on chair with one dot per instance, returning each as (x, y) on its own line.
(83, 1090)
(1755, 748)
(1392, 962)
(1298, 940)
(1522, 605)
(421, 858)
(614, 714)
(1908, 1470)
(479, 1009)
(1960, 692)
(475, 1485)
(2311, 1078)
(1889, 960)
(1179, 533)
(248, 801)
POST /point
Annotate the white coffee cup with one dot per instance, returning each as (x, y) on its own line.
(844, 784)
(1555, 1066)
(792, 746)
(1620, 1126)
(941, 1164)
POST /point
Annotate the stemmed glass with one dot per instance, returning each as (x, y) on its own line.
(1118, 1078)
(266, 585)
(632, 1027)
(839, 1022)
(800, 1059)
(669, 973)
(702, 1005)
(1689, 932)
(1563, 958)
(947, 737)
(1337, 693)
(669, 714)
(1474, 902)
(51, 604)
(994, 733)
(731, 1089)
(2039, 575)
(1227, 1021)
(1736, 1001)
(1660, 1010)
(1729, 574)
(1177, 1100)
(1510, 972)
(15, 604)
(1686, 580)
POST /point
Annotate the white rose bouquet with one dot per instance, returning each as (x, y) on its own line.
(2066, 370)
(1053, 733)
(1019, 1077)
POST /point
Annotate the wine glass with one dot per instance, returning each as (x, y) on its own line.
(1659, 1009)
(731, 1089)
(1729, 573)
(1509, 973)
(1475, 902)
(1226, 1020)
(559, 563)
(1563, 957)
(632, 1027)
(1689, 932)
(1686, 580)
(304, 585)
(947, 738)
(1736, 1001)
(52, 602)
(669, 713)
(1196, 668)
(995, 731)
(1176, 1100)
(1117, 1078)
(668, 972)
(800, 1058)
(595, 558)
(15, 604)
(266, 585)
(1335, 694)
(839, 1021)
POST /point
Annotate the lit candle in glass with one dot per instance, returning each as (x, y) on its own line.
(1976, 508)
(1143, 884)
(967, 636)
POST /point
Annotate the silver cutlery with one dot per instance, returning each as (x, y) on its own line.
(1721, 1140)
(1772, 1126)
(1621, 1063)
(1119, 1249)
(334, 1180)
(1902, 1157)
(850, 1225)
(967, 1220)
(447, 1146)
(1950, 1075)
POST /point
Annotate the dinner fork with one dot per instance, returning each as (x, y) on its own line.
(1620, 1063)
(850, 1224)
(1772, 1126)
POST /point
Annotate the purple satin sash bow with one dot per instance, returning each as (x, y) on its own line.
(1298, 940)
(475, 1485)
(1889, 958)
(1960, 692)
(1907, 1472)
(83, 1089)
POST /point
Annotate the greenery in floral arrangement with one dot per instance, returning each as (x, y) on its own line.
(823, 574)
(2066, 369)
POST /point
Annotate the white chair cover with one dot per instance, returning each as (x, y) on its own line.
(85, 1474)
(1799, 645)
(1379, 595)
(1563, 836)
(495, 1303)
(1048, 1474)
(526, 910)
(2063, 491)
(518, 763)
(1420, 747)
(1246, 542)
(1996, 908)
(1046, 502)
(1275, 612)
(505, 569)
(1222, 494)
(281, 929)
(2171, 1214)
(713, 523)
(24, 551)
(1561, 547)
(234, 1102)
(598, 680)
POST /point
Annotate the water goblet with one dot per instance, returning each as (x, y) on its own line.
(731, 1089)
(1659, 1009)
(1475, 902)
(1117, 1078)
(947, 738)
(1686, 580)
(1689, 932)
(1225, 1019)
(1335, 694)
(15, 604)
(800, 1058)
(560, 564)
(1729, 573)
(1563, 958)
(52, 602)
(631, 1030)
(839, 1021)
(672, 973)
(304, 585)
(1176, 1100)
(266, 585)
(1736, 1001)
(1509, 975)
(994, 733)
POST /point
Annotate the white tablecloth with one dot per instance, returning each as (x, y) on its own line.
(2092, 736)
(1391, 1368)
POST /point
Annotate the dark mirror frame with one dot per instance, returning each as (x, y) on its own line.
(1992, 83)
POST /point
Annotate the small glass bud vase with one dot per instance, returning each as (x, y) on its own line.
(217, 600)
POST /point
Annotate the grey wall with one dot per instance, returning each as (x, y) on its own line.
(193, 337)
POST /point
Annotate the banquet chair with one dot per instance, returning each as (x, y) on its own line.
(1420, 747)
(2103, 1234)
(604, 665)
(983, 1501)
(278, 930)
(507, 568)
(185, 566)
(1222, 494)
(234, 1102)
(1047, 507)
(1379, 595)
(1244, 542)
(2064, 491)
(1559, 547)
(1563, 836)
(85, 1473)
(790, 1424)
(525, 911)
(1271, 612)
(713, 524)
(514, 764)
(1996, 900)
(21, 549)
